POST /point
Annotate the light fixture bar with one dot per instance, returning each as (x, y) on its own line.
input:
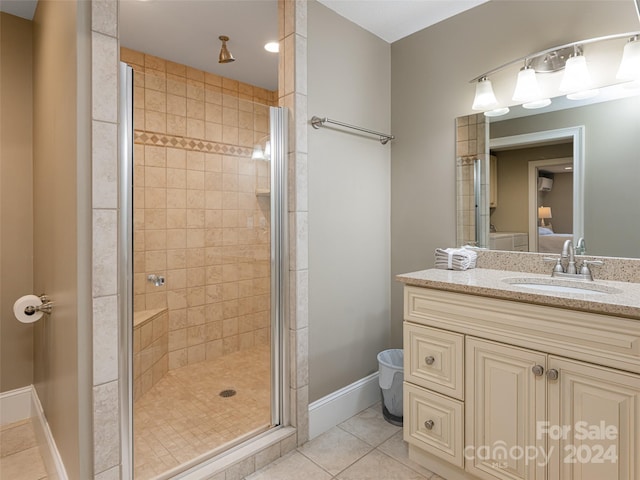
(553, 49)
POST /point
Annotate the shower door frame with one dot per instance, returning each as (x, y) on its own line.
(278, 128)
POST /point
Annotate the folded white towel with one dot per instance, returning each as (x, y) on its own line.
(455, 258)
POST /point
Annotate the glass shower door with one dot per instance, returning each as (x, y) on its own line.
(207, 270)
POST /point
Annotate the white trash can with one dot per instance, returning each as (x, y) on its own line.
(391, 376)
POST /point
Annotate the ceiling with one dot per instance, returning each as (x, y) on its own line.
(186, 31)
(392, 20)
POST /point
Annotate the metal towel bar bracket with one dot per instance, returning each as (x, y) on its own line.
(317, 122)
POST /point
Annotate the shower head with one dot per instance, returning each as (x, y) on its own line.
(225, 55)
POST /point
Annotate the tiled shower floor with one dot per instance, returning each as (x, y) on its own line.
(183, 416)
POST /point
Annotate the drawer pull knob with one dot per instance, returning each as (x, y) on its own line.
(429, 424)
(429, 360)
(553, 374)
(537, 370)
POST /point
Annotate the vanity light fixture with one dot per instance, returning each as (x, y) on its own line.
(527, 89)
(576, 82)
(630, 64)
(485, 99)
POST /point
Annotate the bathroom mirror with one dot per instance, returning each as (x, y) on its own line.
(608, 194)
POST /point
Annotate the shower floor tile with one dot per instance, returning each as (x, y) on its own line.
(183, 416)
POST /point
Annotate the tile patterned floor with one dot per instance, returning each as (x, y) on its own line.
(19, 454)
(365, 447)
(183, 415)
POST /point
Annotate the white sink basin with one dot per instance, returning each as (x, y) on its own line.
(553, 285)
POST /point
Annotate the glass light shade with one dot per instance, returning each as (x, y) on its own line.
(576, 75)
(497, 112)
(583, 94)
(485, 99)
(543, 102)
(527, 89)
(630, 64)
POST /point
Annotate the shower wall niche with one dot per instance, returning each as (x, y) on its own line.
(201, 216)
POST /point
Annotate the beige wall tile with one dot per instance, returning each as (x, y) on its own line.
(105, 249)
(105, 339)
(104, 54)
(105, 165)
(106, 426)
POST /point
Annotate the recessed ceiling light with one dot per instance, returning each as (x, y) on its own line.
(273, 47)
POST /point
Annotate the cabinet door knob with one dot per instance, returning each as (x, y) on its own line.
(553, 374)
(429, 424)
(537, 370)
(429, 360)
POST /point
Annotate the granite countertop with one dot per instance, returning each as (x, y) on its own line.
(621, 299)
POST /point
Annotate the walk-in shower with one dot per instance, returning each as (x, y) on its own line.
(204, 262)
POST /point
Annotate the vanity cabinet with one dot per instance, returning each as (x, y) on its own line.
(489, 382)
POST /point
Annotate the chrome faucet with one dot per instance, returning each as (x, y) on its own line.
(569, 252)
(570, 270)
(581, 247)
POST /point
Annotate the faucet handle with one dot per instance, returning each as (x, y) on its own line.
(586, 263)
(593, 262)
(585, 270)
(558, 266)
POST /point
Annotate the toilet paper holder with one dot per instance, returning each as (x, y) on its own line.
(46, 307)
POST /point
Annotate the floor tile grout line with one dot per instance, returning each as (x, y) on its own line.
(371, 449)
(365, 441)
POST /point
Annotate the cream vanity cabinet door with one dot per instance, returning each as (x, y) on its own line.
(506, 393)
(599, 409)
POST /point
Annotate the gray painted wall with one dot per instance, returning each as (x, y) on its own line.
(430, 87)
(349, 211)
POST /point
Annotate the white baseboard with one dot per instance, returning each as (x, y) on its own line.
(15, 405)
(21, 404)
(342, 404)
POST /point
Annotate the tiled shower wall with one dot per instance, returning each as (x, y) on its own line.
(471, 141)
(197, 219)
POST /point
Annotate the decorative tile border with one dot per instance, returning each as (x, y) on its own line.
(164, 140)
(467, 160)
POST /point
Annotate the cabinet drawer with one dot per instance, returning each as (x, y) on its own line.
(434, 423)
(434, 359)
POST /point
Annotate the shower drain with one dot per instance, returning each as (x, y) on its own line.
(227, 393)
